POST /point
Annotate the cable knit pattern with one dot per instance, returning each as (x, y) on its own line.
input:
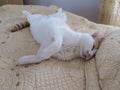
(100, 73)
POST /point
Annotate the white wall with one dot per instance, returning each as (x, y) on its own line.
(86, 8)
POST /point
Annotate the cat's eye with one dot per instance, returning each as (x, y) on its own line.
(93, 47)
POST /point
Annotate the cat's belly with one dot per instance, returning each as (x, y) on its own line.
(67, 52)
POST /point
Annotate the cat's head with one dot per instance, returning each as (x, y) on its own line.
(89, 44)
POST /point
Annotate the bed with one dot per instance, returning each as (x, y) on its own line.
(100, 73)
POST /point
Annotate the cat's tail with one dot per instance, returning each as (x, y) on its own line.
(19, 26)
(23, 24)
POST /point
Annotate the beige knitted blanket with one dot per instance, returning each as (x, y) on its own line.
(100, 73)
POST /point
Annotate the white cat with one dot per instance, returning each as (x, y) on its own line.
(58, 40)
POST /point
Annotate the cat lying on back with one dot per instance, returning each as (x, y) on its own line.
(57, 39)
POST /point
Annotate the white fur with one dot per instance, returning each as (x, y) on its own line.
(57, 39)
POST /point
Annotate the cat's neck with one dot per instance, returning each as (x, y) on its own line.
(77, 37)
(72, 37)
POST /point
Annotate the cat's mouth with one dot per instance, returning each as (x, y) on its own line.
(88, 59)
(88, 56)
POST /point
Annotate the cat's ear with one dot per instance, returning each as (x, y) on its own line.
(98, 35)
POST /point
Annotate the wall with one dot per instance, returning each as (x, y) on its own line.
(2, 2)
(86, 8)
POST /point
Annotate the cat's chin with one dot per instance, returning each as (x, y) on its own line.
(88, 59)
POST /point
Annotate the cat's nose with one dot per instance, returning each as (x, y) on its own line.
(87, 56)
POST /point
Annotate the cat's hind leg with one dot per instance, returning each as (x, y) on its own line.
(43, 53)
(50, 50)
